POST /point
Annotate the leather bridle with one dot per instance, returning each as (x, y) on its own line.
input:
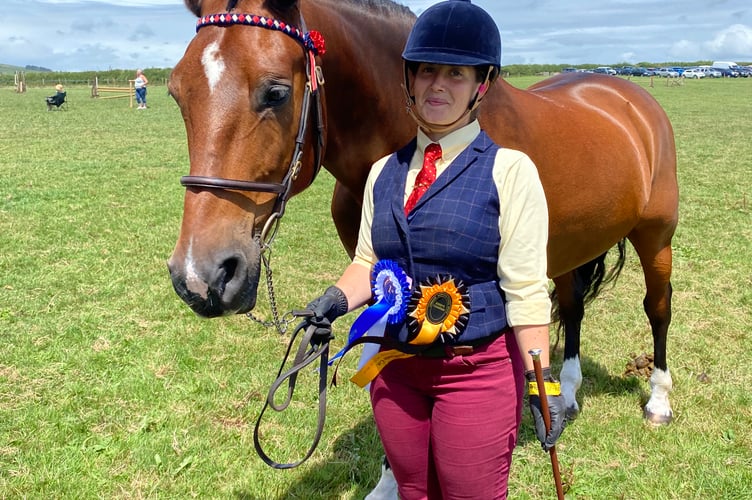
(313, 44)
(315, 343)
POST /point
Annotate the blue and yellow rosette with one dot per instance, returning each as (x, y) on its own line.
(439, 308)
(391, 290)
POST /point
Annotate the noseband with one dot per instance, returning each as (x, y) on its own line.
(313, 44)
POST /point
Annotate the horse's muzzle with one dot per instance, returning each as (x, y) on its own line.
(217, 288)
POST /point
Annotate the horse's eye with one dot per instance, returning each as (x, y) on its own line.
(276, 96)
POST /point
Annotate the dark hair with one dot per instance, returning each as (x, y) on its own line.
(480, 71)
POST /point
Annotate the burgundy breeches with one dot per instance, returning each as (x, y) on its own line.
(449, 425)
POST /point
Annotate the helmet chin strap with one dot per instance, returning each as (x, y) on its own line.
(435, 128)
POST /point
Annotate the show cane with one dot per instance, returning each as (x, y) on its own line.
(535, 353)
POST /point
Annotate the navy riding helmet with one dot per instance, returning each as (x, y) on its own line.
(457, 33)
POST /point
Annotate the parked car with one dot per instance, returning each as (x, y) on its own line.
(727, 72)
(744, 71)
(637, 71)
(569, 70)
(679, 70)
(631, 71)
(710, 72)
(606, 70)
(651, 72)
(693, 73)
(667, 73)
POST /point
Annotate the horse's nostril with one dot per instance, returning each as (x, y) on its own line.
(229, 267)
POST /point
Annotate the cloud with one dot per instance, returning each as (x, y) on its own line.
(103, 24)
(120, 3)
(686, 50)
(732, 43)
(141, 32)
(75, 35)
(735, 41)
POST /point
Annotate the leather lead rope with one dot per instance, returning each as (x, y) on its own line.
(313, 345)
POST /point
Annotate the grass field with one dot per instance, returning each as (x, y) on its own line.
(110, 387)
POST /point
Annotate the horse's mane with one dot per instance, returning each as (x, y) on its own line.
(387, 5)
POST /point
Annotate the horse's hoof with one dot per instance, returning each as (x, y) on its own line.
(657, 418)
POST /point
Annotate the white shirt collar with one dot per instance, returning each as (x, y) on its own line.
(451, 144)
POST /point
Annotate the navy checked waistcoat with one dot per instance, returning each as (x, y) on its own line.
(453, 229)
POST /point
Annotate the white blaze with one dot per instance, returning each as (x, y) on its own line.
(214, 66)
(193, 281)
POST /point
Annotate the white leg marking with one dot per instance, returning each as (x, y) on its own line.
(571, 380)
(387, 487)
(214, 66)
(660, 386)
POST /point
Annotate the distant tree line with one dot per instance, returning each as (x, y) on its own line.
(41, 77)
(29, 67)
(156, 76)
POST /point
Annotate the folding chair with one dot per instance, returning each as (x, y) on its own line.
(57, 101)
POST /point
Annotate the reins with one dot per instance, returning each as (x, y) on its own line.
(313, 345)
(315, 342)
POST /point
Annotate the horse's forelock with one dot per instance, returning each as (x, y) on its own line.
(194, 6)
(277, 5)
(282, 5)
(273, 5)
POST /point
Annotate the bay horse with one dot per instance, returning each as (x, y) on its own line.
(266, 102)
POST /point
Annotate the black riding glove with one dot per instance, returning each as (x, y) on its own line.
(556, 408)
(327, 307)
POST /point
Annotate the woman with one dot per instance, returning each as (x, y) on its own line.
(140, 85)
(471, 245)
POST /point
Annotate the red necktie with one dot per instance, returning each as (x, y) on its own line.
(426, 176)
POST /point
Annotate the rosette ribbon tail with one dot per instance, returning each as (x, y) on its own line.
(438, 307)
(391, 291)
(373, 318)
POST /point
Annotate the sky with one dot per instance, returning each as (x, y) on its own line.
(81, 35)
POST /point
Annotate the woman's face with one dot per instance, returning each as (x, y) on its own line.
(443, 93)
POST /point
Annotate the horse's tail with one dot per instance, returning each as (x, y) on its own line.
(590, 278)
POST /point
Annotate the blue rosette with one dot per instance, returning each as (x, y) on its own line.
(391, 291)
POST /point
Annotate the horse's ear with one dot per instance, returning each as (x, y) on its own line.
(194, 6)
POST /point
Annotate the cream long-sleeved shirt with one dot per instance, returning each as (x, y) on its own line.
(523, 223)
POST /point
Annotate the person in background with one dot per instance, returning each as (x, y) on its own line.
(461, 224)
(140, 85)
(58, 99)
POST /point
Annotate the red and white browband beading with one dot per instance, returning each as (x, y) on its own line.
(311, 40)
